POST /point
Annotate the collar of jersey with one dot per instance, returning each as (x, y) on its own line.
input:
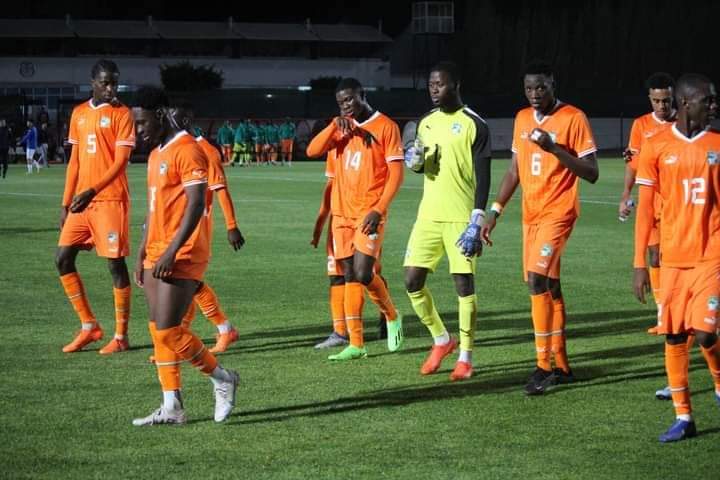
(557, 105)
(682, 136)
(177, 135)
(90, 102)
(372, 117)
(672, 115)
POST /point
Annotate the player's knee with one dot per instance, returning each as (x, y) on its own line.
(538, 284)
(705, 339)
(337, 280)
(167, 337)
(464, 285)
(364, 275)
(676, 339)
(413, 282)
(64, 261)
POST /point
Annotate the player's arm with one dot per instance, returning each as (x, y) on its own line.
(643, 227)
(234, 235)
(509, 184)
(624, 209)
(323, 141)
(585, 167)
(323, 213)
(379, 210)
(71, 177)
(194, 210)
(120, 161)
(138, 273)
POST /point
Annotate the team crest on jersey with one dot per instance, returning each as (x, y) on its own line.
(163, 168)
(112, 237)
(713, 303)
(546, 250)
(104, 122)
(712, 158)
(456, 128)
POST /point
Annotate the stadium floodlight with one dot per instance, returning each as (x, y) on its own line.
(304, 88)
(268, 95)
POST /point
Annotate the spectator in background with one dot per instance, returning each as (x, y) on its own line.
(238, 143)
(272, 142)
(287, 138)
(43, 145)
(30, 142)
(4, 146)
(225, 139)
(258, 137)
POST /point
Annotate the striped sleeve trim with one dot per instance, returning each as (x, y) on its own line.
(587, 152)
(217, 186)
(329, 175)
(394, 158)
(125, 143)
(194, 182)
(644, 181)
(514, 150)
(72, 141)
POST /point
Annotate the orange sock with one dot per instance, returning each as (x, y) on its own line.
(209, 305)
(655, 281)
(166, 362)
(542, 317)
(354, 298)
(122, 310)
(712, 357)
(76, 294)
(187, 346)
(676, 364)
(558, 335)
(189, 316)
(380, 296)
(337, 309)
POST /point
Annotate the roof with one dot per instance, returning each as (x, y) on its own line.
(152, 29)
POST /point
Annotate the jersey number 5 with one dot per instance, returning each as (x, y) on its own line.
(535, 164)
(91, 143)
(352, 160)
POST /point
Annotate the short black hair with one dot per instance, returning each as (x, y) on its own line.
(349, 83)
(660, 80)
(104, 66)
(689, 83)
(538, 67)
(150, 98)
(450, 68)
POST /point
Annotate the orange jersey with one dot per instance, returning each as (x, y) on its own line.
(686, 174)
(96, 131)
(550, 190)
(178, 164)
(644, 127)
(216, 178)
(360, 171)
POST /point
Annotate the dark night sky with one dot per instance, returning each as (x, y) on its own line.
(394, 14)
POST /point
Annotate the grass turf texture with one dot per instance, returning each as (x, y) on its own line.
(300, 416)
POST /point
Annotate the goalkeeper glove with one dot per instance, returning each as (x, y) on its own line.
(470, 242)
(415, 155)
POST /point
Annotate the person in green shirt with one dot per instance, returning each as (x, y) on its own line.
(258, 137)
(287, 138)
(225, 138)
(452, 151)
(239, 143)
(272, 141)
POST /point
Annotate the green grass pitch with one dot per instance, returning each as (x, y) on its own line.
(300, 417)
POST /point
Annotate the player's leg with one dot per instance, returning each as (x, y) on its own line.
(653, 252)
(74, 236)
(290, 151)
(4, 161)
(207, 300)
(29, 154)
(705, 319)
(424, 251)
(562, 371)
(121, 295)
(353, 305)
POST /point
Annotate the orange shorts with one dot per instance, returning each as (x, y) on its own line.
(335, 268)
(347, 238)
(543, 244)
(103, 225)
(286, 145)
(689, 298)
(182, 269)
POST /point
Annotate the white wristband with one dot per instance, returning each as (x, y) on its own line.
(477, 217)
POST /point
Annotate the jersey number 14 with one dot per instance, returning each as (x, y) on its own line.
(352, 160)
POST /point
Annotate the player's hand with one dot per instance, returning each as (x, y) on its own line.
(627, 155)
(345, 125)
(624, 209)
(470, 242)
(138, 276)
(63, 216)
(163, 267)
(641, 284)
(487, 229)
(235, 238)
(82, 200)
(415, 155)
(371, 222)
(542, 139)
(317, 231)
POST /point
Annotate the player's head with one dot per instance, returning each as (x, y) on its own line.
(184, 114)
(444, 84)
(695, 98)
(350, 97)
(539, 85)
(150, 109)
(104, 79)
(29, 123)
(660, 87)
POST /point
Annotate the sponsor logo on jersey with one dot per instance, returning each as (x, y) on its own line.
(163, 168)
(546, 250)
(104, 122)
(671, 159)
(456, 128)
(712, 158)
(542, 264)
(713, 303)
(112, 237)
